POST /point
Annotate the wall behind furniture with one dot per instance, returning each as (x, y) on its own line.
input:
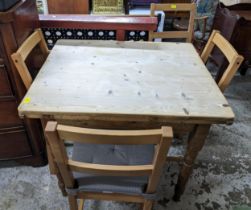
(42, 6)
(68, 6)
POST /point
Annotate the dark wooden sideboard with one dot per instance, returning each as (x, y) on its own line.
(20, 140)
(242, 40)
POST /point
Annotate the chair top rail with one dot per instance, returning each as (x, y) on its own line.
(174, 7)
(25, 49)
(125, 137)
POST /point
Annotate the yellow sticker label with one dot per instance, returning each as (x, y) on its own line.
(173, 6)
(27, 100)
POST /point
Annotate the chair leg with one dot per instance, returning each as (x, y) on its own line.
(73, 202)
(147, 205)
(61, 184)
(81, 204)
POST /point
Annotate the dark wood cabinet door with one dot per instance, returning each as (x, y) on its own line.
(8, 113)
(20, 139)
(14, 144)
(5, 87)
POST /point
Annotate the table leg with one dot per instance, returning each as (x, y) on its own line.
(196, 141)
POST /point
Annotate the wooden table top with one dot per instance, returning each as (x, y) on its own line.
(166, 82)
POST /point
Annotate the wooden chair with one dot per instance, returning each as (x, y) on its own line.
(188, 34)
(24, 51)
(119, 165)
(234, 59)
(19, 58)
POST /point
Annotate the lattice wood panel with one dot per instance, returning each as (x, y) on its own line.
(53, 34)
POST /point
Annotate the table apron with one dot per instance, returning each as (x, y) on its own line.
(179, 129)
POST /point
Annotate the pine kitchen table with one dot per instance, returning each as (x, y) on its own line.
(129, 85)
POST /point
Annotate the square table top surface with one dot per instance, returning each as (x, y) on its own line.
(130, 80)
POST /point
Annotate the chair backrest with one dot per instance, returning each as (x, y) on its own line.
(177, 14)
(234, 59)
(191, 8)
(57, 134)
(23, 52)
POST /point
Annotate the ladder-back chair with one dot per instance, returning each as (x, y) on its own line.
(19, 59)
(188, 34)
(234, 59)
(20, 56)
(118, 165)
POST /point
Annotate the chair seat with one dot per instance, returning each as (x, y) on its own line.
(112, 155)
